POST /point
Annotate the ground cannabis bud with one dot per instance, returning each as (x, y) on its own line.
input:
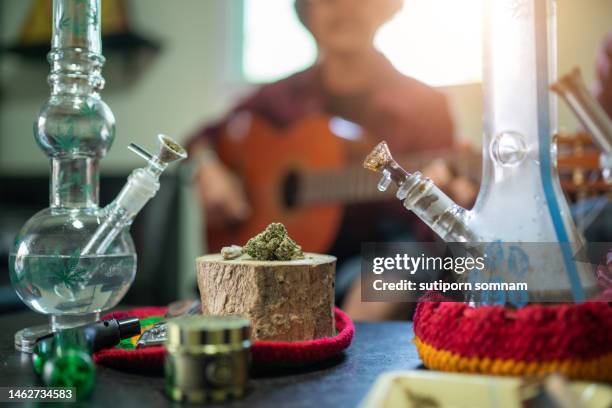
(273, 244)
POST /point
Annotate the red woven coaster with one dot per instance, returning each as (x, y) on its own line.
(573, 339)
(263, 352)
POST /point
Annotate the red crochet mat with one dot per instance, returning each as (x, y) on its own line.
(262, 352)
(575, 339)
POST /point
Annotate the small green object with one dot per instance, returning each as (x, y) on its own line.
(273, 244)
(64, 360)
(71, 367)
(42, 352)
(126, 344)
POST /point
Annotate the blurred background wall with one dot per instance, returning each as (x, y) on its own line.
(196, 75)
(190, 80)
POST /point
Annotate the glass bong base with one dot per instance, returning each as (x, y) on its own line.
(25, 339)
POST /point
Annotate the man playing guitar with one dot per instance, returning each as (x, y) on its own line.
(352, 81)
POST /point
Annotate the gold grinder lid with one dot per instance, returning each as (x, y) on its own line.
(197, 330)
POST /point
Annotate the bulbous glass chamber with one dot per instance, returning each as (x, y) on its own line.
(51, 276)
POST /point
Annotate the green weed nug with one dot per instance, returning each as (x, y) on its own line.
(273, 244)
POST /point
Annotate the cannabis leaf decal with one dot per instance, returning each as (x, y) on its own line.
(64, 22)
(66, 139)
(86, 189)
(64, 184)
(78, 29)
(74, 179)
(67, 182)
(68, 272)
(88, 109)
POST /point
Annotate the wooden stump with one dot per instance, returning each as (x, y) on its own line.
(285, 300)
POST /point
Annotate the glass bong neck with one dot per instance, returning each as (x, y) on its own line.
(75, 127)
(80, 128)
(141, 186)
(421, 196)
(520, 199)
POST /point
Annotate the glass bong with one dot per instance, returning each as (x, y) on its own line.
(572, 89)
(520, 199)
(74, 259)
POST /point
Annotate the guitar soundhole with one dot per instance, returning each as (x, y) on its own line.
(290, 188)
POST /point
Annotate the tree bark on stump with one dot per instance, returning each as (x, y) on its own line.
(285, 300)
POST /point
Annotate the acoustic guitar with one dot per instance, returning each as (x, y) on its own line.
(305, 175)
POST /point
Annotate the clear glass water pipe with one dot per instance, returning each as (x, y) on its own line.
(142, 185)
(520, 198)
(572, 89)
(74, 259)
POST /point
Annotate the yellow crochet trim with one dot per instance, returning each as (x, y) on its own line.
(597, 369)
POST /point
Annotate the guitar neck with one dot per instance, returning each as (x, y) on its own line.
(355, 185)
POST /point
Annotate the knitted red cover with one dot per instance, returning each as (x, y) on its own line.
(262, 352)
(574, 339)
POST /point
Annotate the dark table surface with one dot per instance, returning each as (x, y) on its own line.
(344, 382)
